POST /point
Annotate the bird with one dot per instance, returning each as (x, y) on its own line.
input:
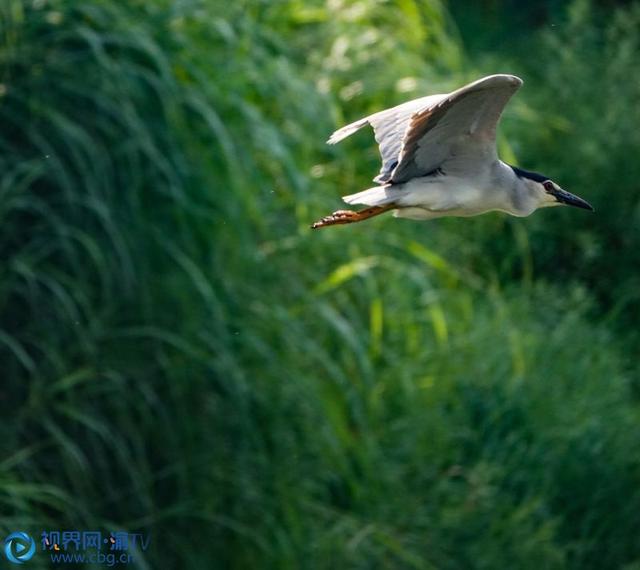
(439, 158)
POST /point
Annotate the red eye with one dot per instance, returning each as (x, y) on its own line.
(548, 186)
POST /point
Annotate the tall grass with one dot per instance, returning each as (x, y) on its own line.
(584, 80)
(181, 355)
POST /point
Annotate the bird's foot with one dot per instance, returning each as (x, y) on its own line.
(338, 217)
(349, 216)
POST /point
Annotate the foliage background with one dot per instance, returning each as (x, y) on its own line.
(181, 355)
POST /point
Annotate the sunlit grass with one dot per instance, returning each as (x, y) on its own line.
(181, 354)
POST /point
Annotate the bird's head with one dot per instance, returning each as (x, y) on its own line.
(544, 192)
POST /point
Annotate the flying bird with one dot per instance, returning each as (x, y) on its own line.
(439, 159)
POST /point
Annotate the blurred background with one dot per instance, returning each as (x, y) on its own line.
(181, 355)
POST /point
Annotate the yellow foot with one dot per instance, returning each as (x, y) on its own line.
(349, 216)
(339, 217)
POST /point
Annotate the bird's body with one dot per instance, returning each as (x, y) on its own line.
(439, 159)
(442, 194)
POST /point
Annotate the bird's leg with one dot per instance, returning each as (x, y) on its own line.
(349, 216)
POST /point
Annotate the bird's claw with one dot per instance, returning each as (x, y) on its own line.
(338, 217)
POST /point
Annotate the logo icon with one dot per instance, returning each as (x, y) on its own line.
(19, 547)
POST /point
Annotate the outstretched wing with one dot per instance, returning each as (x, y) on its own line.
(462, 124)
(419, 136)
(389, 127)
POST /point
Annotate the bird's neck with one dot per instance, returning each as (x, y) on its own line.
(518, 199)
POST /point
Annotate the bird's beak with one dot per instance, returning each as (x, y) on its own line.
(565, 197)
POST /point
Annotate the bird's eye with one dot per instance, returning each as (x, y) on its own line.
(548, 186)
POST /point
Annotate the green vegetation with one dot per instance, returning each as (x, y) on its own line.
(180, 354)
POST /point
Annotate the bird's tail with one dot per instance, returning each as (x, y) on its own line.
(376, 196)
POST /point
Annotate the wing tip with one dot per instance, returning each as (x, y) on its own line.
(493, 80)
(506, 77)
(344, 132)
(514, 80)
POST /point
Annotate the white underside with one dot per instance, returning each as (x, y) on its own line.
(436, 196)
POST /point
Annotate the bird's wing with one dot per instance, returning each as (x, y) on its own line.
(389, 127)
(461, 124)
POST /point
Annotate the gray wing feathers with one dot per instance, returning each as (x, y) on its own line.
(462, 123)
(389, 127)
(346, 131)
(418, 136)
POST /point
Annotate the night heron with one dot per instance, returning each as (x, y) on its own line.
(439, 159)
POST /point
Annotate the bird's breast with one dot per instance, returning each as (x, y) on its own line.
(450, 195)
